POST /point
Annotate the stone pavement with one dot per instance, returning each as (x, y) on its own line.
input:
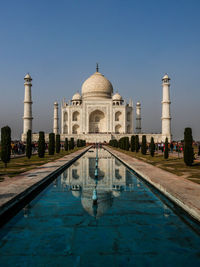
(183, 192)
(14, 189)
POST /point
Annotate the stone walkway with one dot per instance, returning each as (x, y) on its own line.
(183, 192)
(14, 189)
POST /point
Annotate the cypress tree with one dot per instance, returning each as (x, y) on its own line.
(5, 144)
(133, 143)
(144, 145)
(51, 144)
(137, 144)
(166, 153)
(72, 143)
(127, 143)
(188, 149)
(123, 143)
(152, 147)
(41, 145)
(66, 144)
(57, 143)
(29, 144)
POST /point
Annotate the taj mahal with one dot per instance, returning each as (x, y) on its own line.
(98, 114)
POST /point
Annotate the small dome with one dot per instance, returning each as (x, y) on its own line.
(116, 193)
(166, 77)
(117, 96)
(104, 202)
(138, 104)
(56, 103)
(28, 76)
(77, 96)
(76, 194)
(97, 86)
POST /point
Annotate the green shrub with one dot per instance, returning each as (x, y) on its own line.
(133, 143)
(137, 144)
(188, 149)
(5, 144)
(57, 143)
(29, 144)
(66, 145)
(152, 147)
(51, 146)
(144, 145)
(166, 152)
(41, 145)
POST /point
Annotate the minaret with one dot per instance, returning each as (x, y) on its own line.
(27, 104)
(166, 116)
(138, 118)
(55, 118)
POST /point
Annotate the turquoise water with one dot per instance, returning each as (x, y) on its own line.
(129, 226)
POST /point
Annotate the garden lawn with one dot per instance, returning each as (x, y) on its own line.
(23, 164)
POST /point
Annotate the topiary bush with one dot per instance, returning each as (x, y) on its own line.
(57, 143)
(29, 144)
(66, 145)
(41, 145)
(137, 144)
(188, 149)
(166, 152)
(144, 145)
(5, 145)
(51, 147)
(152, 147)
(133, 143)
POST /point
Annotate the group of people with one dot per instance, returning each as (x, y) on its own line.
(19, 148)
(173, 147)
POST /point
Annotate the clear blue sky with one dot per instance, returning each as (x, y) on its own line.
(135, 43)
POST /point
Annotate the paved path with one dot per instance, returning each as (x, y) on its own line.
(12, 190)
(183, 192)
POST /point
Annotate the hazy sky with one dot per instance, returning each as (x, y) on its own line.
(135, 43)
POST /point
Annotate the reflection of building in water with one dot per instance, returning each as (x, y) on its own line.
(81, 180)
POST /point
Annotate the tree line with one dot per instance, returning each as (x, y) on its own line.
(54, 144)
(135, 146)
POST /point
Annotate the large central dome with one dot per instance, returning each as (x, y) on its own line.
(97, 86)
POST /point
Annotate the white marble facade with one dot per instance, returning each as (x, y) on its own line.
(98, 114)
(96, 110)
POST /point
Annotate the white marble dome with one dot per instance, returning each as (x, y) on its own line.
(166, 77)
(97, 86)
(28, 76)
(76, 96)
(117, 97)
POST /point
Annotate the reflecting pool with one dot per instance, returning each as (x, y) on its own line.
(129, 225)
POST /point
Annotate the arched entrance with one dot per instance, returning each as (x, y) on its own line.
(118, 128)
(97, 122)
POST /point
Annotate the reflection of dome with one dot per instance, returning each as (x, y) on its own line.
(97, 86)
(117, 97)
(76, 193)
(116, 193)
(76, 97)
(76, 163)
(104, 202)
(117, 162)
